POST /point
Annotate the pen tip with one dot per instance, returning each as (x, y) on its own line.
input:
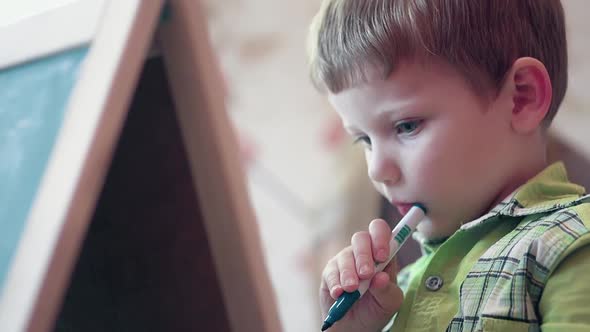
(421, 206)
(326, 326)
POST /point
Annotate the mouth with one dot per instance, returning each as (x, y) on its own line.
(402, 207)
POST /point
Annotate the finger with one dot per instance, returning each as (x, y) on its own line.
(380, 236)
(363, 254)
(346, 265)
(380, 280)
(386, 292)
(388, 275)
(389, 296)
(392, 269)
(331, 280)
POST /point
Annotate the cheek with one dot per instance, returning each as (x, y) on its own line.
(441, 168)
(460, 149)
(431, 172)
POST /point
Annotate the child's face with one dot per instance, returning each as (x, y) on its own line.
(429, 139)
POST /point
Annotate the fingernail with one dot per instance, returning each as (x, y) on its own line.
(334, 290)
(365, 270)
(348, 282)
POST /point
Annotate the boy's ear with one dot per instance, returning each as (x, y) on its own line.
(529, 87)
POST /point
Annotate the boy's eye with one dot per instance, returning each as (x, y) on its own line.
(408, 127)
(363, 139)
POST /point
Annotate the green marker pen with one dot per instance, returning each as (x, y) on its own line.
(399, 235)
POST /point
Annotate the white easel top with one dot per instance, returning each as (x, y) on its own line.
(64, 27)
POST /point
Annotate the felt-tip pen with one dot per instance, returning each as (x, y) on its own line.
(399, 235)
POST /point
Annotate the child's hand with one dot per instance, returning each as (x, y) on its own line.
(357, 262)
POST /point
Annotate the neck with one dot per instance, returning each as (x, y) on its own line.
(521, 172)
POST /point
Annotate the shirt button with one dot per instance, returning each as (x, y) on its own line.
(434, 283)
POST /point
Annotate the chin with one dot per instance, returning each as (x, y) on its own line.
(431, 231)
(426, 230)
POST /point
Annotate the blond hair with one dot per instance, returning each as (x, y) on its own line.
(481, 39)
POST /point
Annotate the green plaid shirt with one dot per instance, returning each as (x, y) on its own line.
(523, 266)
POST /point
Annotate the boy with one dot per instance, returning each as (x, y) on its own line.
(451, 100)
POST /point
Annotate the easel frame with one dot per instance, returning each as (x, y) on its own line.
(250, 301)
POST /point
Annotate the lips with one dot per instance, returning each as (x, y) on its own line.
(402, 208)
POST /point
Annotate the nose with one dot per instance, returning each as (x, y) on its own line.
(382, 166)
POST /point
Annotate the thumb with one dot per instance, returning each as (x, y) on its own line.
(385, 290)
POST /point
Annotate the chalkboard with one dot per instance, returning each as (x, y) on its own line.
(33, 98)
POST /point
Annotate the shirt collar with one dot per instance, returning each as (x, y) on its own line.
(547, 191)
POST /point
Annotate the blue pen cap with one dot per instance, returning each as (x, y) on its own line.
(341, 306)
(421, 206)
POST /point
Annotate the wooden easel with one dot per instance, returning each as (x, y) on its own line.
(141, 221)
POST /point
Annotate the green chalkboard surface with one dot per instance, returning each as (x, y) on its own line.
(33, 99)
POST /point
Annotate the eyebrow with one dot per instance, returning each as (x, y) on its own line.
(387, 112)
(407, 106)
